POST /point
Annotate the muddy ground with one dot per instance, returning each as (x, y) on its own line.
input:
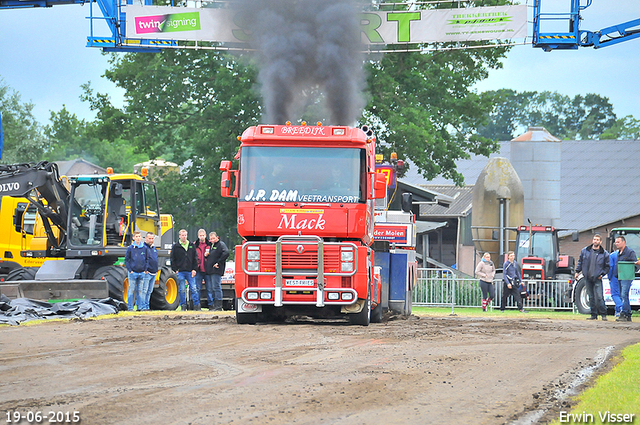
(202, 368)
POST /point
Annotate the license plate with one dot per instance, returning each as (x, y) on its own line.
(299, 282)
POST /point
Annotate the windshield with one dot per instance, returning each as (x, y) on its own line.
(302, 174)
(542, 246)
(632, 239)
(87, 213)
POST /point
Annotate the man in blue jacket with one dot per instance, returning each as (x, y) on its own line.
(511, 279)
(624, 254)
(135, 259)
(152, 268)
(594, 263)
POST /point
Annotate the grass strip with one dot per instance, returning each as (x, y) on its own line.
(613, 395)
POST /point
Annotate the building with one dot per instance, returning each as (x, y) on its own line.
(599, 187)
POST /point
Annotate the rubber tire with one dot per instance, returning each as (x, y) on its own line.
(364, 317)
(245, 318)
(117, 279)
(22, 273)
(166, 296)
(582, 297)
(376, 314)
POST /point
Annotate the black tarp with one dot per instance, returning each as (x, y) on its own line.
(20, 310)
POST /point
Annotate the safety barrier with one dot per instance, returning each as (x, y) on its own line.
(442, 288)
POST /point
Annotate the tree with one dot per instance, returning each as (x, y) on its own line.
(70, 138)
(189, 107)
(422, 107)
(623, 129)
(583, 117)
(23, 138)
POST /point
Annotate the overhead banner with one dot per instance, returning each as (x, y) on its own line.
(377, 28)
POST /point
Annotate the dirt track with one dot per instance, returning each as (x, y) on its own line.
(205, 369)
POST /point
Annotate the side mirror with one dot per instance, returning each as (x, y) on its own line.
(407, 201)
(17, 216)
(225, 165)
(380, 186)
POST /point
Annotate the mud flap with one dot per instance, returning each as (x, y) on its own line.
(244, 307)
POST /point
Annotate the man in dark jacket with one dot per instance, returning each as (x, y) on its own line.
(184, 260)
(511, 279)
(624, 254)
(215, 264)
(594, 263)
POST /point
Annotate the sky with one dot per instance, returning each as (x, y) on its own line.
(43, 56)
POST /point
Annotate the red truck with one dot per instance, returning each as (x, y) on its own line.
(305, 213)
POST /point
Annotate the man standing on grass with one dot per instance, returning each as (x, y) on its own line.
(594, 263)
(624, 254)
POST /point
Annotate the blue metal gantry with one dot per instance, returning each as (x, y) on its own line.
(112, 14)
(574, 37)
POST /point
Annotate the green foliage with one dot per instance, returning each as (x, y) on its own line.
(187, 107)
(421, 106)
(23, 138)
(70, 138)
(627, 128)
(582, 118)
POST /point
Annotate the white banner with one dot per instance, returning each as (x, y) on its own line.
(426, 26)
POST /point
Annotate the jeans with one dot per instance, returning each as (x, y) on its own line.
(201, 279)
(596, 296)
(214, 288)
(615, 293)
(625, 286)
(195, 295)
(136, 286)
(149, 282)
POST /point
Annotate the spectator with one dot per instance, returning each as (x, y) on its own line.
(486, 270)
(135, 260)
(614, 285)
(624, 254)
(511, 279)
(215, 265)
(184, 260)
(203, 246)
(152, 268)
(594, 263)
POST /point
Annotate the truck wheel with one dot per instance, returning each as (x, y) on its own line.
(165, 296)
(117, 279)
(582, 297)
(364, 317)
(376, 314)
(245, 318)
(22, 273)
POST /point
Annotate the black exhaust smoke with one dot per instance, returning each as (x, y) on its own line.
(309, 55)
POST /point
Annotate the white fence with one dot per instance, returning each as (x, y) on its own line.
(442, 288)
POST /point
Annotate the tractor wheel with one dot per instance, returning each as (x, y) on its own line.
(582, 297)
(364, 317)
(165, 296)
(117, 278)
(22, 273)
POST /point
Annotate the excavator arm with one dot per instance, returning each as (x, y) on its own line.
(40, 183)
